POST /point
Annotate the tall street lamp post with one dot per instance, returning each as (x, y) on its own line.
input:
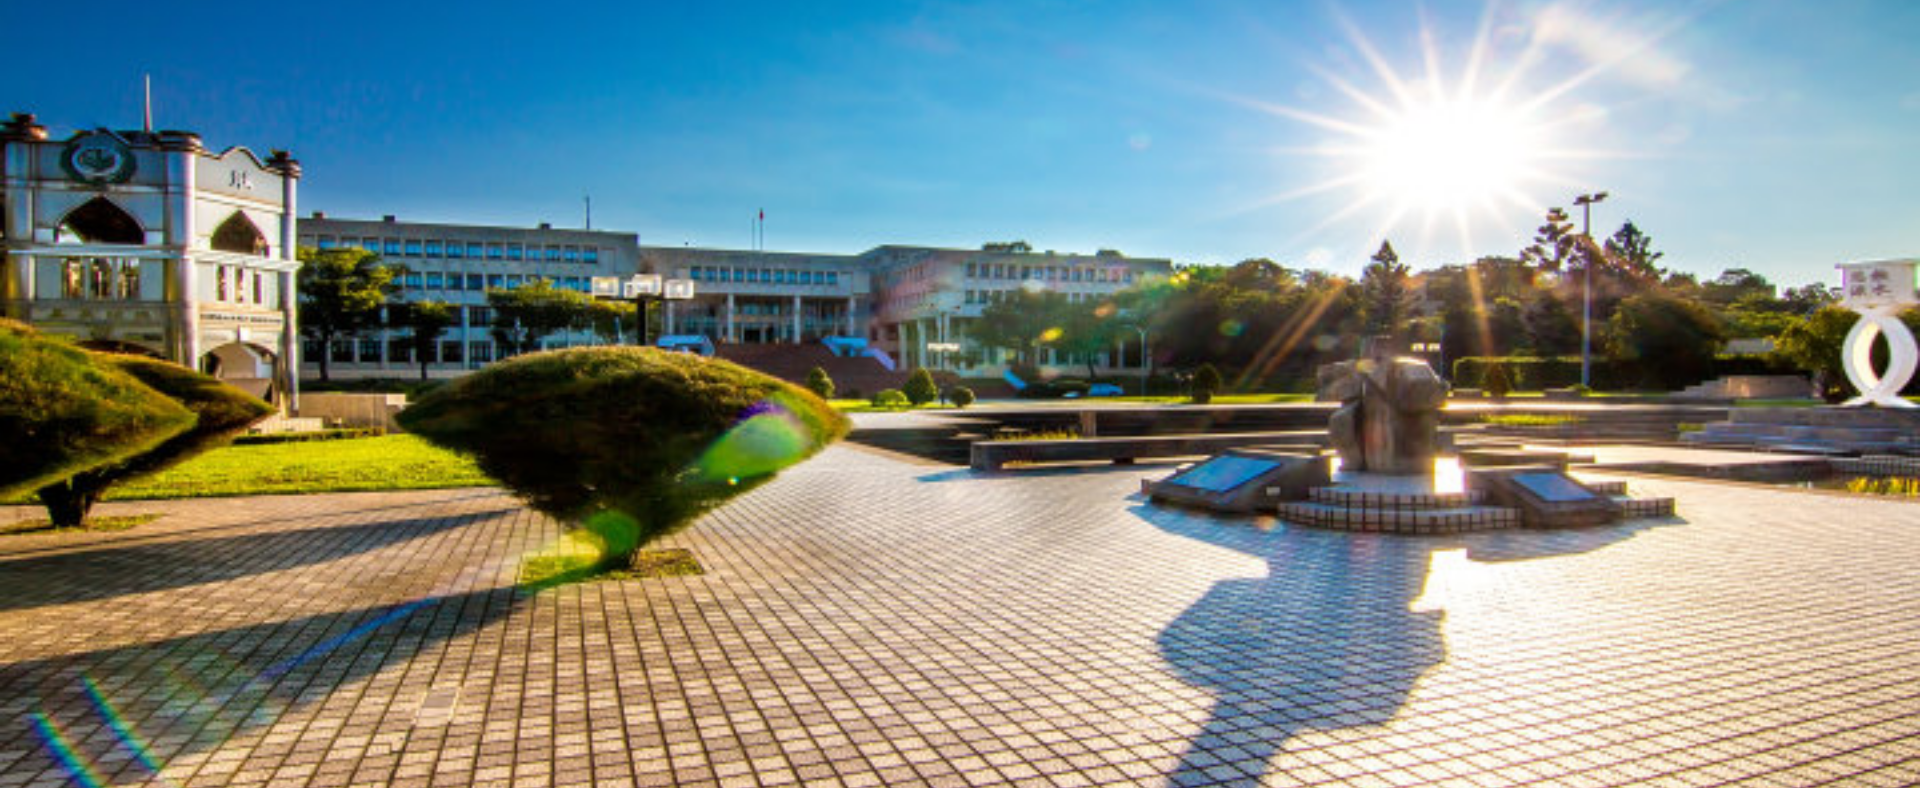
(1586, 201)
(644, 289)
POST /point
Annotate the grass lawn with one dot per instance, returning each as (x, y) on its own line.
(391, 462)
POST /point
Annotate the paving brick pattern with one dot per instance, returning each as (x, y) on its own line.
(867, 621)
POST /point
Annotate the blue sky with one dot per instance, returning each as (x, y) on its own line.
(1780, 136)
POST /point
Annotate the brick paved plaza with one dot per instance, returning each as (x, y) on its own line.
(869, 620)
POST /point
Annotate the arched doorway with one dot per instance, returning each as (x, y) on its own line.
(245, 366)
(239, 234)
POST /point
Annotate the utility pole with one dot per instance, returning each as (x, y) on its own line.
(1586, 201)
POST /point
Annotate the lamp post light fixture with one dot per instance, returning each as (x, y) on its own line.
(944, 349)
(644, 289)
(1586, 201)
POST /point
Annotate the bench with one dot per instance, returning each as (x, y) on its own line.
(995, 454)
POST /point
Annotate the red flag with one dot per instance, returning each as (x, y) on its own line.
(763, 214)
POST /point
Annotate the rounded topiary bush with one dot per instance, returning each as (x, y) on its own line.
(629, 443)
(920, 388)
(61, 412)
(221, 412)
(961, 396)
(820, 383)
(891, 398)
(1206, 382)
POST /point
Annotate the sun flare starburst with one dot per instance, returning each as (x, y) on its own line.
(1475, 144)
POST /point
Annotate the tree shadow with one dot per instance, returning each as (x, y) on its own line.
(1327, 640)
(116, 716)
(112, 569)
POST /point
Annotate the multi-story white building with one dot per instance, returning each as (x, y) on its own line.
(893, 299)
(457, 264)
(147, 242)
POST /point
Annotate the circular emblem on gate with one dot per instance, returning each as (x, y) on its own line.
(97, 158)
(1856, 357)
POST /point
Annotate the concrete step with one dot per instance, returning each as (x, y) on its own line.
(1449, 520)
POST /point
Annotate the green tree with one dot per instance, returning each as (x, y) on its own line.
(61, 413)
(1670, 340)
(1632, 250)
(819, 383)
(1552, 243)
(1205, 383)
(961, 396)
(1007, 247)
(221, 412)
(1812, 344)
(920, 388)
(425, 322)
(1734, 284)
(611, 320)
(524, 315)
(341, 292)
(1387, 301)
(626, 444)
(1023, 321)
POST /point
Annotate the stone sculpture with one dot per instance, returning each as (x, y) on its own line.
(1389, 417)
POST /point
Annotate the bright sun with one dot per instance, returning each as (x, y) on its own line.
(1464, 145)
(1438, 156)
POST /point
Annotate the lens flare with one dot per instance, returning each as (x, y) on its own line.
(1052, 334)
(766, 438)
(57, 742)
(1231, 328)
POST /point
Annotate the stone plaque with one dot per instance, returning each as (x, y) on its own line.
(1223, 473)
(1553, 487)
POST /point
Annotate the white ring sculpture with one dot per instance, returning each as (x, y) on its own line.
(1857, 357)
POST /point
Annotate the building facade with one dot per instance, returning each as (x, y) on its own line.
(457, 264)
(896, 300)
(147, 242)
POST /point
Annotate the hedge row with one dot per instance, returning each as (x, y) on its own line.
(1533, 374)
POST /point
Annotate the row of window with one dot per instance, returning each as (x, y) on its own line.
(439, 280)
(400, 351)
(100, 278)
(1051, 273)
(466, 250)
(996, 296)
(236, 285)
(773, 276)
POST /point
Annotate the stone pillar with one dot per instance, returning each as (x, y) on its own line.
(17, 222)
(729, 334)
(179, 150)
(850, 329)
(667, 324)
(289, 360)
(796, 320)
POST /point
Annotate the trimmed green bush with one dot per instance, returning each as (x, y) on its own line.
(920, 388)
(891, 398)
(819, 383)
(624, 444)
(221, 412)
(1496, 380)
(1206, 383)
(62, 413)
(961, 396)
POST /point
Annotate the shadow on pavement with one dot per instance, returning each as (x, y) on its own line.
(107, 569)
(1326, 640)
(118, 716)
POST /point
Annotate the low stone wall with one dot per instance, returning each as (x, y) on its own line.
(354, 410)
